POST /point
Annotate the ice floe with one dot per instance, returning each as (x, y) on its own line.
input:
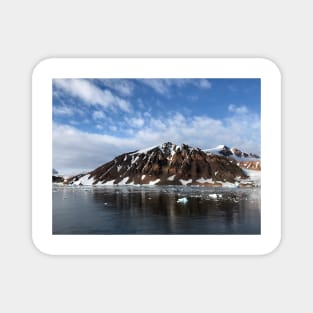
(182, 200)
(215, 196)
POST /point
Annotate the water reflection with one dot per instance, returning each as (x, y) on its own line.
(155, 210)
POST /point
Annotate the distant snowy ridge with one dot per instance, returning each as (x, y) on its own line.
(233, 152)
(242, 159)
(168, 164)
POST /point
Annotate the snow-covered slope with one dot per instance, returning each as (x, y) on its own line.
(242, 159)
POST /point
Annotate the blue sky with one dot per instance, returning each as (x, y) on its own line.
(96, 119)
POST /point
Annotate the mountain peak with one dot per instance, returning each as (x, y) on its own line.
(166, 147)
(165, 164)
(222, 147)
(242, 159)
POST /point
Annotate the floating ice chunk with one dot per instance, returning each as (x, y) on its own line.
(228, 184)
(182, 200)
(215, 196)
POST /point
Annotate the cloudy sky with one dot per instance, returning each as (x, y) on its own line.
(95, 120)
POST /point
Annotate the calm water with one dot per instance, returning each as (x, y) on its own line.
(155, 210)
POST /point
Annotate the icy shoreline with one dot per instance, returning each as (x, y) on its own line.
(254, 180)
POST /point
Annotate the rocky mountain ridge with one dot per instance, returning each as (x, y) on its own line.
(242, 159)
(167, 164)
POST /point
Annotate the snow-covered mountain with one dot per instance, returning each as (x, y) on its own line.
(166, 164)
(242, 159)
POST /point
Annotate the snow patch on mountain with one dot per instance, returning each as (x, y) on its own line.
(185, 182)
(203, 180)
(145, 150)
(154, 182)
(171, 178)
(84, 180)
(123, 181)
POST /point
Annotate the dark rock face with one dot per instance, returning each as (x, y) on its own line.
(238, 153)
(167, 164)
(225, 151)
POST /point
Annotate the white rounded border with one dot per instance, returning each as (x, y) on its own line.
(261, 68)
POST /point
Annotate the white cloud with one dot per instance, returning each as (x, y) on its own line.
(122, 86)
(136, 122)
(157, 124)
(238, 109)
(63, 110)
(73, 122)
(140, 103)
(75, 150)
(113, 128)
(204, 83)
(158, 85)
(98, 115)
(90, 94)
(162, 86)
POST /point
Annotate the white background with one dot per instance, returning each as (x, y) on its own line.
(34, 30)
